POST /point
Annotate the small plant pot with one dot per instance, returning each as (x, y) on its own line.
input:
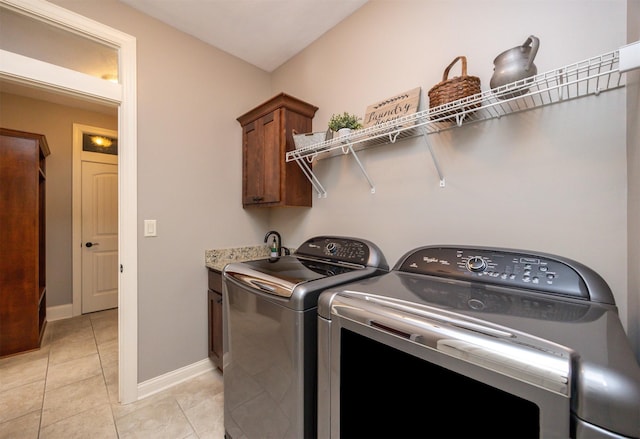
(344, 132)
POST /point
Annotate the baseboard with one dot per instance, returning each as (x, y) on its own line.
(59, 312)
(170, 379)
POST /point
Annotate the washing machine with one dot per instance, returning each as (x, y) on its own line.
(270, 333)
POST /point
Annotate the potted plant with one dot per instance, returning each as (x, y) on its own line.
(344, 123)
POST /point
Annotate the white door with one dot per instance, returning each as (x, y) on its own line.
(99, 236)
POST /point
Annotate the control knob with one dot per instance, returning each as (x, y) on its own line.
(332, 248)
(476, 264)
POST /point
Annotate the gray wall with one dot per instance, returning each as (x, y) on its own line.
(553, 179)
(189, 177)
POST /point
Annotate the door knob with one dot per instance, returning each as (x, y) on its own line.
(91, 244)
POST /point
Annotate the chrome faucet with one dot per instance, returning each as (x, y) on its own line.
(279, 248)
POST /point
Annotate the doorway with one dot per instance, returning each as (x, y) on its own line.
(44, 76)
(95, 218)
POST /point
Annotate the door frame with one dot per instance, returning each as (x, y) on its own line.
(76, 205)
(42, 75)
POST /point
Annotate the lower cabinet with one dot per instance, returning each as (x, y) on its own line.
(215, 317)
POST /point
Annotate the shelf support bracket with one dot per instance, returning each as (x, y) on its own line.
(355, 156)
(306, 170)
(433, 157)
(560, 84)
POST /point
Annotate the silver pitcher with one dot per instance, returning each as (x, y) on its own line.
(513, 65)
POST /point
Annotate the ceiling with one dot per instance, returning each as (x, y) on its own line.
(265, 33)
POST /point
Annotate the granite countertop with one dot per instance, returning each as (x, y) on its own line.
(216, 259)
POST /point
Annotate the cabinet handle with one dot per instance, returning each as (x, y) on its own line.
(258, 198)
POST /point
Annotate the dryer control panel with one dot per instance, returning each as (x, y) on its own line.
(510, 268)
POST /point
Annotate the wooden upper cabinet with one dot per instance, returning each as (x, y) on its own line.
(267, 179)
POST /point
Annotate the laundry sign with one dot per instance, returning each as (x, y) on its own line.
(392, 108)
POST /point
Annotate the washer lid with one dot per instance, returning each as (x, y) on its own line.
(279, 276)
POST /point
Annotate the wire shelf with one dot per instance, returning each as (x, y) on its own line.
(584, 78)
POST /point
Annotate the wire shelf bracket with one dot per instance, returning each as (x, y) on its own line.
(317, 186)
(433, 157)
(364, 171)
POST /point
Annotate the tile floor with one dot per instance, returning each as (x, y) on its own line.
(69, 389)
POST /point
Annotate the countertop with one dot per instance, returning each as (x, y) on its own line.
(216, 259)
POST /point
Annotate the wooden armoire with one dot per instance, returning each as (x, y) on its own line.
(23, 314)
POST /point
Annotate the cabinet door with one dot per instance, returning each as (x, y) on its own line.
(215, 327)
(215, 317)
(261, 160)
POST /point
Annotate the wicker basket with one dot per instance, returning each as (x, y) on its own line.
(459, 87)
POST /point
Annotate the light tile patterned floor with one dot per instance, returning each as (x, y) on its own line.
(69, 389)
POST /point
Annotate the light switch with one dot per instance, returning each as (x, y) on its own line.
(150, 228)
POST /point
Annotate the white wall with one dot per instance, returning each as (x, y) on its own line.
(551, 180)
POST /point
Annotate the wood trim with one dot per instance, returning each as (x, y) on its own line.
(281, 100)
(42, 140)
